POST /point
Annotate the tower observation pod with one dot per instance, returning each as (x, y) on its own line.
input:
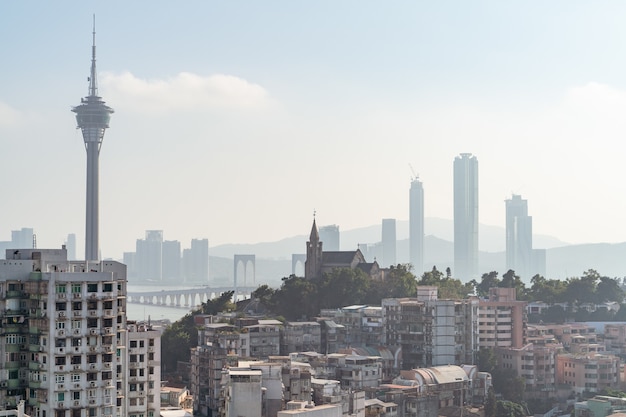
(92, 118)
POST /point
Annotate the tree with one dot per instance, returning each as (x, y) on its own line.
(491, 404)
(510, 409)
(342, 287)
(399, 282)
(432, 277)
(487, 281)
(609, 289)
(487, 360)
(296, 298)
(510, 280)
(264, 294)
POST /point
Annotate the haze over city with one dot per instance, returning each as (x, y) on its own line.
(236, 121)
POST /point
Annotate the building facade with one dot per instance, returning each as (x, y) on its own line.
(64, 342)
(519, 237)
(389, 242)
(466, 217)
(429, 331)
(416, 226)
(502, 320)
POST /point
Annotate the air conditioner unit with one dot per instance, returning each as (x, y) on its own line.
(76, 367)
(61, 405)
(92, 348)
(76, 295)
(61, 332)
(92, 384)
(92, 402)
(92, 366)
(77, 313)
(107, 365)
(76, 403)
(77, 385)
(61, 295)
(76, 331)
(62, 314)
(3, 384)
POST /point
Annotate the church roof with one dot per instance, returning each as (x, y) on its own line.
(338, 257)
(368, 267)
(315, 236)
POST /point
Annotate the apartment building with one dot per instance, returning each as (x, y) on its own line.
(300, 336)
(64, 344)
(143, 369)
(429, 331)
(536, 364)
(591, 372)
(502, 319)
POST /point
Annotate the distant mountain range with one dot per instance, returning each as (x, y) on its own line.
(273, 259)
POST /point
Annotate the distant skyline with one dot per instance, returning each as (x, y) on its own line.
(235, 121)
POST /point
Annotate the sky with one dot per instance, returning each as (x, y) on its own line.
(236, 121)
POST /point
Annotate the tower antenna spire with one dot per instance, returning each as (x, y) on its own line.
(93, 81)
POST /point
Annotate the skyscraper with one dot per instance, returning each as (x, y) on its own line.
(70, 245)
(519, 237)
(196, 261)
(330, 236)
(466, 217)
(92, 117)
(172, 267)
(416, 226)
(149, 257)
(389, 242)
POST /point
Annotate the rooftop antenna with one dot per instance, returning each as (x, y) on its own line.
(34, 241)
(93, 84)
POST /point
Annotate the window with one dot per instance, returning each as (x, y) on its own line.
(92, 287)
(133, 343)
(141, 343)
(59, 379)
(60, 288)
(77, 306)
(133, 387)
(60, 396)
(76, 395)
(108, 287)
(76, 324)
(75, 377)
(61, 306)
(76, 288)
(59, 360)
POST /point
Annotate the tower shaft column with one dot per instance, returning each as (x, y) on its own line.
(92, 207)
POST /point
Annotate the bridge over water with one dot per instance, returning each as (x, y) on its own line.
(188, 297)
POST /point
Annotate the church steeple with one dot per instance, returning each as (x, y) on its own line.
(313, 263)
(315, 236)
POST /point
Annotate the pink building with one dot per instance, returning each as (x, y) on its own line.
(588, 372)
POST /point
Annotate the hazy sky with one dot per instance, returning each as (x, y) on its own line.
(235, 120)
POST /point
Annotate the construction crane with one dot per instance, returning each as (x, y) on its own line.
(414, 175)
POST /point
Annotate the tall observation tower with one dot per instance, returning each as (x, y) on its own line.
(92, 117)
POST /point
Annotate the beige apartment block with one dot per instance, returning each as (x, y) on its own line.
(592, 372)
(502, 320)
